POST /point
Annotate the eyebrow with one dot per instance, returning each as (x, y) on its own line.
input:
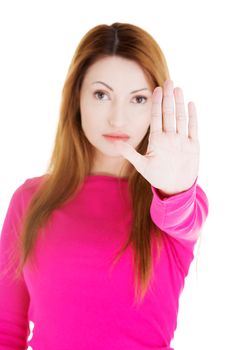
(101, 82)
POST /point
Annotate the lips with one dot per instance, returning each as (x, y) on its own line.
(116, 135)
(116, 138)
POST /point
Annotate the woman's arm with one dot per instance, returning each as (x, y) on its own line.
(181, 215)
(14, 296)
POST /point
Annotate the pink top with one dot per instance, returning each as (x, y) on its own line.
(73, 299)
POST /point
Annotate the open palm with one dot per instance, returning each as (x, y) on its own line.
(171, 162)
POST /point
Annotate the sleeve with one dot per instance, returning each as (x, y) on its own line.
(14, 297)
(181, 215)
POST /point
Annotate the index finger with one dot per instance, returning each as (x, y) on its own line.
(156, 113)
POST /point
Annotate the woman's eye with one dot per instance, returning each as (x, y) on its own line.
(99, 92)
(140, 97)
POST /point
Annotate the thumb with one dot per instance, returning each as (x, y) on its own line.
(128, 152)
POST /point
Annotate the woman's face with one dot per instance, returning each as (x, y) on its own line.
(115, 109)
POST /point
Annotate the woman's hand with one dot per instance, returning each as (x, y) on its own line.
(172, 159)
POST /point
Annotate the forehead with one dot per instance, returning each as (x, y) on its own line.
(117, 70)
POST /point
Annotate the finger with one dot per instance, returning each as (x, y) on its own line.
(168, 107)
(156, 113)
(181, 119)
(192, 122)
(128, 152)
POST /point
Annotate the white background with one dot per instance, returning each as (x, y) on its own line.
(38, 40)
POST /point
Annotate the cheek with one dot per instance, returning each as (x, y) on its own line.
(95, 116)
(141, 127)
(143, 113)
(91, 124)
(142, 121)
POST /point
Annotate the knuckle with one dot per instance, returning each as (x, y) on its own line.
(169, 112)
(156, 114)
(180, 116)
(169, 128)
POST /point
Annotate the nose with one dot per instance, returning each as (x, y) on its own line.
(118, 116)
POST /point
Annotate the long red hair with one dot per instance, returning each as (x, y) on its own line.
(73, 155)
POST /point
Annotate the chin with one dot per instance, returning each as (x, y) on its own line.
(114, 154)
(107, 152)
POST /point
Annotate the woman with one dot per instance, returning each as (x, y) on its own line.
(99, 259)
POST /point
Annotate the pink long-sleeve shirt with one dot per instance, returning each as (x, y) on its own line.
(73, 298)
